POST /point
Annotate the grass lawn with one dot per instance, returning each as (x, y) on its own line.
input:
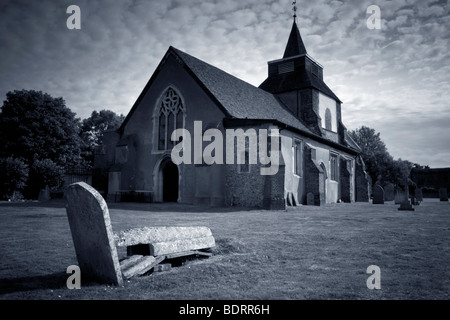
(301, 253)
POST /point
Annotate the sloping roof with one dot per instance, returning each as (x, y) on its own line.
(351, 143)
(235, 97)
(240, 99)
(299, 79)
(295, 44)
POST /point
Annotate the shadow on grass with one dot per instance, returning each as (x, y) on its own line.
(52, 281)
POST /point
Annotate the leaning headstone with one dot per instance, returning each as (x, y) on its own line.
(310, 199)
(443, 196)
(378, 194)
(389, 192)
(92, 234)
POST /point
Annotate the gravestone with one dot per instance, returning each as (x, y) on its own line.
(406, 204)
(418, 194)
(310, 199)
(389, 194)
(44, 194)
(400, 196)
(92, 234)
(378, 194)
(443, 196)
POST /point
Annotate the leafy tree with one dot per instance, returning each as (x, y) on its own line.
(13, 176)
(45, 173)
(35, 126)
(93, 128)
(374, 152)
(42, 132)
(380, 165)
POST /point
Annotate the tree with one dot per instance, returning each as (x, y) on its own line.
(380, 165)
(36, 126)
(42, 132)
(13, 177)
(46, 173)
(374, 152)
(93, 128)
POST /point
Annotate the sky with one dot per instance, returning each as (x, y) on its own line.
(395, 79)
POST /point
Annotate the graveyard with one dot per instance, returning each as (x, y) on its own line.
(301, 253)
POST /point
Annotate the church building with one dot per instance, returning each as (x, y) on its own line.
(318, 162)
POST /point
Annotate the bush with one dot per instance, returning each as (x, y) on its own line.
(13, 177)
(44, 173)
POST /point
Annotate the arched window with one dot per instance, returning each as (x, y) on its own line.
(170, 117)
(328, 124)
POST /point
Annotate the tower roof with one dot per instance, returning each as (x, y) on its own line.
(295, 44)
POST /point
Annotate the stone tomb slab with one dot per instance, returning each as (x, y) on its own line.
(158, 241)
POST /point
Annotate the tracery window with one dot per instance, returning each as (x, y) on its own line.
(171, 117)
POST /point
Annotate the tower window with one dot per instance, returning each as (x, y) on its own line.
(315, 70)
(286, 67)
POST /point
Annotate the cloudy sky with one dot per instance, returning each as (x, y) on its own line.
(395, 79)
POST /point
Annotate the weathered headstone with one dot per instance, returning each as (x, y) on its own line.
(400, 196)
(92, 234)
(44, 194)
(310, 199)
(406, 205)
(389, 192)
(378, 194)
(443, 196)
(418, 194)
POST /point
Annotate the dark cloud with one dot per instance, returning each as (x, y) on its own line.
(395, 79)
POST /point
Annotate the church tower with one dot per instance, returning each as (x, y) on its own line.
(297, 81)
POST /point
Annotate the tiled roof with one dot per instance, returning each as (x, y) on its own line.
(240, 99)
(297, 80)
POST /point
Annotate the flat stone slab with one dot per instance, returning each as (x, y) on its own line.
(148, 235)
(137, 265)
(174, 246)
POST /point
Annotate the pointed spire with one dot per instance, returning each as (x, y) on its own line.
(295, 44)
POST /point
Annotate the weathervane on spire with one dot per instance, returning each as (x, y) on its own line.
(294, 8)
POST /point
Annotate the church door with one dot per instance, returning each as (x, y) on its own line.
(170, 182)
